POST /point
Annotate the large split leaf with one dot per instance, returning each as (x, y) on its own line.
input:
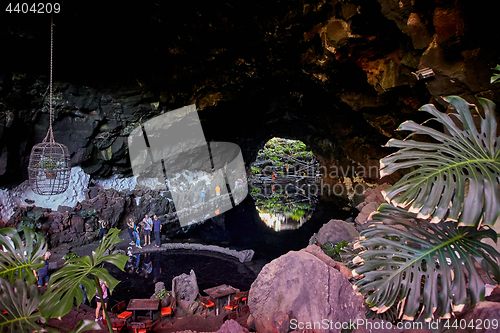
(425, 268)
(18, 307)
(496, 76)
(19, 313)
(86, 325)
(457, 175)
(64, 285)
(18, 261)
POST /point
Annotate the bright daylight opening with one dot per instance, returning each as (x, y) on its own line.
(284, 183)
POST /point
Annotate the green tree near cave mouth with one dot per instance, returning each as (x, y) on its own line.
(422, 249)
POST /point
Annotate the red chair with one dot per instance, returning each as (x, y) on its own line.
(117, 324)
(245, 309)
(117, 311)
(206, 303)
(142, 327)
(233, 305)
(168, 310)
(242, 296)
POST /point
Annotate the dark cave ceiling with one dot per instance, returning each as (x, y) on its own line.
(335, 74)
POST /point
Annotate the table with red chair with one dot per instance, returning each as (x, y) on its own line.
(143, 305)
(120, 317)
(219, 292)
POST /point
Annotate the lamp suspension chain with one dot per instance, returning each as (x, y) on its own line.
(50, 134)
(49, 165)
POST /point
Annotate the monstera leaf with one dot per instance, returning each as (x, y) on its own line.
(18, 307)
(18, 261)
(86, 325)
(19, 313)
(495, 77)
(456, 175)
(64, 285)
(423, 267)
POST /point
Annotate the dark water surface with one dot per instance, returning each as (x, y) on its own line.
(142, 271)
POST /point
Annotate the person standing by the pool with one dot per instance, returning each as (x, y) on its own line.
(104, 288)
(203, 195)
(147, 229)
(137, 238)
(157, 229)
(130, 225)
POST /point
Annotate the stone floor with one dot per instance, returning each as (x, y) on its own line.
(196, 323)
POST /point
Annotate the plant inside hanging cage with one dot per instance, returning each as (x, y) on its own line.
(49, 169)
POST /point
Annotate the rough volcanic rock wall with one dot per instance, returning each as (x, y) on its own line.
(334, 74)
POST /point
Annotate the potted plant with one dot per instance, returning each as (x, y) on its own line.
(164, 297)
(48, 165)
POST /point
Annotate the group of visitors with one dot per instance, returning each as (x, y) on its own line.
(203, 193)
(146, 226)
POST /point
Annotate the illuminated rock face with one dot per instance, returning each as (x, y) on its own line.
(336, 75)
(306, 287)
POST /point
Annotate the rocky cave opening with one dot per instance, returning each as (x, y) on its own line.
(339, 76)
(285, 183)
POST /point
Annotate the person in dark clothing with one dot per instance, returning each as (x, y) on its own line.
(131, 228)
(42, 275)
(157, 229)
(103, 229)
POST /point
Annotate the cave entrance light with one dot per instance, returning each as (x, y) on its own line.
(284, 183)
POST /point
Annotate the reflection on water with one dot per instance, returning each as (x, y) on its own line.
(142, 271)
(283, 211)
(281, 222)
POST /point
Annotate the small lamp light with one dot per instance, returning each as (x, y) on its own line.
(424, 73)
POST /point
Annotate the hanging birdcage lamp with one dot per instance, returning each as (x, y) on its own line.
(49, 165)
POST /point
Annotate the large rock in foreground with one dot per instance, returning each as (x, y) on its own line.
(484, 316)
(336, 231)
(373, 199)
(306, 288)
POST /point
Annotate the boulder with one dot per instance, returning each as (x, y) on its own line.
(165, 301)
(159, 286)
(78, 224)
(304, 287)
(185, 287)
(232, 326)
(484, 313)
(281, 322)
(420, 35)
(113, 206)
(373, 199)
(366, 211)
(336, 231)
(374, 195)
(318, 253)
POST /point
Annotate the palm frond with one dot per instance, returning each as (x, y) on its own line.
(423, 267)
(64, 285)
(18, 307)
(19, 260)
(455, 176)
(495, 77)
